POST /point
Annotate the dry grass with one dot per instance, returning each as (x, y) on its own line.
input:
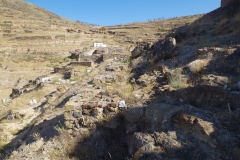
(36, 136)
(55, 80)
(223, 21)
(148, 88)
(2, 145)
(176, 80)
(64, 145)
(23, 100)
(81, 69)
(236, 18)
(123, 90)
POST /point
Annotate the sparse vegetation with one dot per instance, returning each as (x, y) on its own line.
(176, 80)
(105, 119)
(74, 79)
(104, 87)
(3, 121)
(129, 38)
(59, 128)
(3, 145)
(127, 62)
(28, 58)
(55, 80)
(161, 29)
(66, 59)
(223, 21)
(236, 17)
(36, 136)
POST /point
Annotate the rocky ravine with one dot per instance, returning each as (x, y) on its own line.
(169, 100)
(94, 123)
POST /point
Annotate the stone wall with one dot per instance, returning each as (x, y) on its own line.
(63, 70)
(34, 38)
(31, 85)
(94, 58)
(86, 63)
(62, 37)
(101, 50)
(112, 56)
(84, 114)
(113, 50)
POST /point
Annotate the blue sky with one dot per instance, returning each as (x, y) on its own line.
(113, 12)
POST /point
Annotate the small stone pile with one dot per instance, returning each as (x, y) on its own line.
(86, 114)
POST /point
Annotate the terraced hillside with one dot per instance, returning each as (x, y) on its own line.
(25, 26)
(34, 40)
(150, 31)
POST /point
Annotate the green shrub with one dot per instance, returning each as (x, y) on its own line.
(163, 30)
(55, 80)
(66, 59)
(59, 128)
(49, 65)
(74, 79)
(55, 65)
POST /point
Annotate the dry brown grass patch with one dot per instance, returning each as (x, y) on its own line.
(123, 90)
(24, 99)
(176, 80)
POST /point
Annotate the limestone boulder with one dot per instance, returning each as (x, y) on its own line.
(138, 51)
(165, 49)
(72, 106)
(139, 140)
(167, 141)
(196, 127)
(141, 49)
(76, 114)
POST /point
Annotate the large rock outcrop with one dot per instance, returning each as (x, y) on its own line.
(225, 2)
(165, 49)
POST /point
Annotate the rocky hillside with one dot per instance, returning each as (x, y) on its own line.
(149, 31)
(217, 28)
(25, 26)
(34, 40)
(175, 97)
